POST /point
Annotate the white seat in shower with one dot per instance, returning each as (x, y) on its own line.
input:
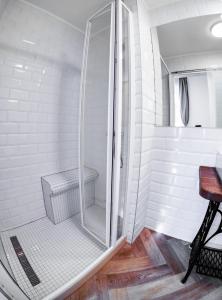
(61, 193)
(63, 181)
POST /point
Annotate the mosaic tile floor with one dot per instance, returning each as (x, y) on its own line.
(57, 253)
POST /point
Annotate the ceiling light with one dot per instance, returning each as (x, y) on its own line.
(216, 30)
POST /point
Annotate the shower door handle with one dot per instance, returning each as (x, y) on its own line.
(121, 161)
(114, 146)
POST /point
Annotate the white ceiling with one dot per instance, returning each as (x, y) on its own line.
(75, 12)
(189, 36)
(152, 4)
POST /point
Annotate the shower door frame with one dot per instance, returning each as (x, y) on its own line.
(9, 287)
(114, 120)
(109, 122)
(120, 6)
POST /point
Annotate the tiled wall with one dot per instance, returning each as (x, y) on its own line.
(146, 107)
(133, 183)
(144, 118)
(39, 95)
(174, 206)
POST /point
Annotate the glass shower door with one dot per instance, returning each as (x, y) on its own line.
(123, 119)
(96, 127)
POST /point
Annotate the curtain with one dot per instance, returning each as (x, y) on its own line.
(184, 100)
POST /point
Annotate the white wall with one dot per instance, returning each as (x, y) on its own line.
(39, 90)
(131, 208)
(199, 101)
(147, 114)
(144, 118)
(158, 84)
(217, 90)
(173, 205)
(166, 95)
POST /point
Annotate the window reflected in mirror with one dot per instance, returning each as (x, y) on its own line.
(188, 73)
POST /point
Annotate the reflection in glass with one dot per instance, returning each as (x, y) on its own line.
(188, 72)
(205, 103)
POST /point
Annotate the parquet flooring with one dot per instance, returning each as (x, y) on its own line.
(150, 268)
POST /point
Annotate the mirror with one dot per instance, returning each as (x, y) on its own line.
(188, 72)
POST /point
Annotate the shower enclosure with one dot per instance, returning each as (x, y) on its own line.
(43, 255)
(104, 119)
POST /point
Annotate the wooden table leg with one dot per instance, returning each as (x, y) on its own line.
(199, 241)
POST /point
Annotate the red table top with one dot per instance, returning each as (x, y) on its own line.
(210, 185)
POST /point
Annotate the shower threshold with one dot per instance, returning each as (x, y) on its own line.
(57, 254)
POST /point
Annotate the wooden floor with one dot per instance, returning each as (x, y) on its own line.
(150, 268)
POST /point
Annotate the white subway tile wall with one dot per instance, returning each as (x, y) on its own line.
(145, 118)
(173, 205)
(148, 115)
(39, 96)
(132, 201)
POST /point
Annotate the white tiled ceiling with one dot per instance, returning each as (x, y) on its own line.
(157, 3)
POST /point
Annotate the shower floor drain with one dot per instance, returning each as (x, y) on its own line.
(33, 278)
